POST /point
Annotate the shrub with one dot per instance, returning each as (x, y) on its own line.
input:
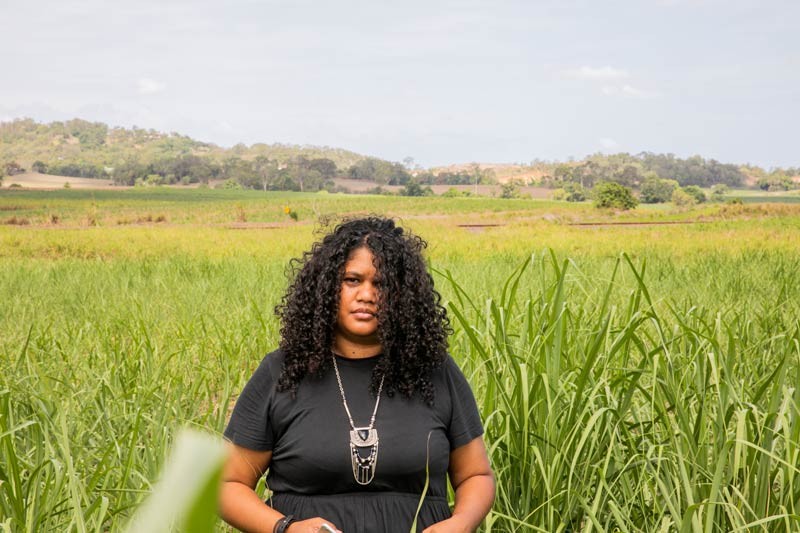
(610, 195)
(574, 192)
(509, 190)
(681, 198)
(657, 191)
(452, 192)
(695, 192)
(413, 188)
(718, 192)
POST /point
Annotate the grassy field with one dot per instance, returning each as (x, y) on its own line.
(637, 377)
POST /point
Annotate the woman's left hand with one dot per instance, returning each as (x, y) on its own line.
(451, 525)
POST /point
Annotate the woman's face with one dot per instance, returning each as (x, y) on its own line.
(357, 319)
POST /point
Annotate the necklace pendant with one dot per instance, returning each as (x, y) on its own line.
(363, 437)
(364, 454)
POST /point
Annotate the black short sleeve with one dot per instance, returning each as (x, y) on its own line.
(465, 420)
(249, 426)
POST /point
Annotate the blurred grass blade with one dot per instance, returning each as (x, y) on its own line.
(186, 495)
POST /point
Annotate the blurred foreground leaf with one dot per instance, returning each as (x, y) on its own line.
(185, 498)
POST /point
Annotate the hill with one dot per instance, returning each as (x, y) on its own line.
(129, 156)
(93, 147)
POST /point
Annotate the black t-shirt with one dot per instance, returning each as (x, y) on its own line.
(311, 473)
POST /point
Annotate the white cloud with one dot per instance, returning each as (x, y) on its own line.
(597, 73)
(628, 91)
(149, 86)
(607, 143)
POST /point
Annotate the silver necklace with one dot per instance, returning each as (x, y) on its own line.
(363, 440)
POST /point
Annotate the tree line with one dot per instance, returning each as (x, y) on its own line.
(131, 156)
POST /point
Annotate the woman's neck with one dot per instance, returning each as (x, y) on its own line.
(355, 350)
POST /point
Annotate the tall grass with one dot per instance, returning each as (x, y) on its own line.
(615, 414)
(618, 393)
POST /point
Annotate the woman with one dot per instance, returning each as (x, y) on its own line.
(361, 404)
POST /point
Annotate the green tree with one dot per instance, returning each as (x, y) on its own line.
(657, 191)
(12, 168)
(265, 171)
(695, 192)
(681, 198)
(611, 195)
(574, 192)
(412, 188)
(508, 190)
(718, 192)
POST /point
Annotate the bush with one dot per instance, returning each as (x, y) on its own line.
(695, 192)
(452, 192)
(413, 188)
(509, 190)
(610, 195)
(681, 198)
(229, 184)
(574, 192)
(718, 192)
(657, 191)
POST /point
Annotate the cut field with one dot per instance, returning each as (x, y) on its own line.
(631, 377)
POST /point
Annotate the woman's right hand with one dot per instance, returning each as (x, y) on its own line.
(312, 525)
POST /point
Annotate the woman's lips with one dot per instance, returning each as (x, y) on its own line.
(363, 314)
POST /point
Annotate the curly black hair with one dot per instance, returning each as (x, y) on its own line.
(412, 323)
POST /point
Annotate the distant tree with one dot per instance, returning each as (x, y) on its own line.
(129, 171)
(629, 176)
(657, 190)
(379, 171)
(265, 171)
(608, 194)
(718, 192)
(775, 181)
(39, 166)
(425, 176)
(681, 198)
(413, 188)
(89, 134)
(695, 192)
(452, 192)
(574, 192)
(326, 167)
(12, 168)
(509, 190)
(453, 178)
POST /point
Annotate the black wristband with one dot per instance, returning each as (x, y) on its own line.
(283, 524)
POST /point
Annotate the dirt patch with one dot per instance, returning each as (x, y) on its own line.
(664, 223)
(34, 180)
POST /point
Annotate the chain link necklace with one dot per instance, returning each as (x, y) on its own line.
(363, 440)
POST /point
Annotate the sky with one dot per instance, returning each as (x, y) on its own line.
(442, 82)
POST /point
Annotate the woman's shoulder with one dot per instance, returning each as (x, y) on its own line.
(448, 372)
(270, 367)
(448, 366)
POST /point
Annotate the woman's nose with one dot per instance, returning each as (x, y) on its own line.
(367, 292)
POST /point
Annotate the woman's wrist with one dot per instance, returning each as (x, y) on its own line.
(461, 524)
(282, 525)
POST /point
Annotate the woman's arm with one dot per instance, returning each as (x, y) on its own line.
(240, 506)
(473, 482)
